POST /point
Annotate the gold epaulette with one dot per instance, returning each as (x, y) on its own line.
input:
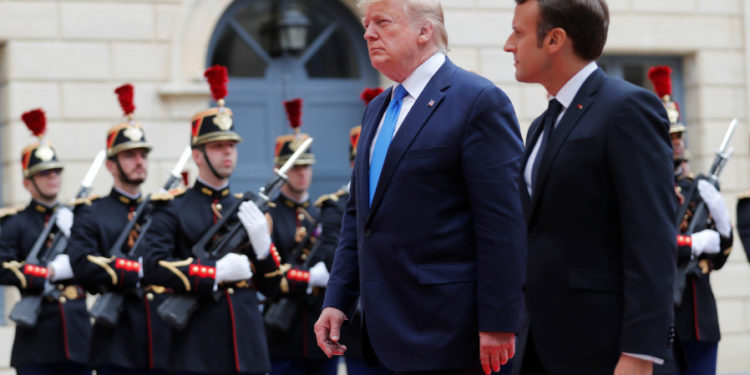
(744, 195)
(330, 197)
(238, 195)
(85, 200)
(167, 195)
(10, 211)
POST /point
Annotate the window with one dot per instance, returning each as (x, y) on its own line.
(245, 41)
(634, 69)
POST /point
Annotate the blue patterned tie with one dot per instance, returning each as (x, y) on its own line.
(384, 137)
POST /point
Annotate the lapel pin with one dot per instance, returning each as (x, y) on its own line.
(580, 106)
(431, 103)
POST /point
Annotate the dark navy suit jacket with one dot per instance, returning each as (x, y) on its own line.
(601, 233)
(439, 256)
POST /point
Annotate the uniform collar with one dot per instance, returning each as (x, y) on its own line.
(210, 191)
(43, 208)
(291, 203)
(125, 198)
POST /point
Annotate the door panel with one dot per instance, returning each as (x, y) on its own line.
(328, 76)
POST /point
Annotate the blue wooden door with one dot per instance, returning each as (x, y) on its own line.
(328, 75)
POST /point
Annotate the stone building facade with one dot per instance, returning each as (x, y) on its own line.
(67, 56)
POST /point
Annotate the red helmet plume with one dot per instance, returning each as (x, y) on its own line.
(368, 94)
(217, 79)
(660, 77)
(35, 121)
(125, 97)
(294, 112)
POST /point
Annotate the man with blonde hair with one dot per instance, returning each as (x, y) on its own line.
(431, 236)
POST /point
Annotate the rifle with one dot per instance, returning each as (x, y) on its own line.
(280, 314)
(177, 309)
(106, 310)
(26, 311)
(699, 216)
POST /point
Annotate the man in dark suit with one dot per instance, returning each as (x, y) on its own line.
(599, 201)
(432, 234)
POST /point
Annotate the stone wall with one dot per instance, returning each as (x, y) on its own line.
(67, 56)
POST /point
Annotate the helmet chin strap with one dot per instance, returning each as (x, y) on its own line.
(210, 166)
(124, 176)
(41, 194)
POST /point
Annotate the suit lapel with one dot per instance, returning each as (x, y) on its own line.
(578, 107)
(420, 112)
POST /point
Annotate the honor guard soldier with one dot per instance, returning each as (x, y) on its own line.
(225, 333)
(696, 317)
(292, 344)
(59, 341)
(137, 344)
(331, 211)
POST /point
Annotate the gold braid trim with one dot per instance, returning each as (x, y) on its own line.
(279, 272)
(104, 263)
(157, 289)
(15, 267)
(173, 266)
(307, 215)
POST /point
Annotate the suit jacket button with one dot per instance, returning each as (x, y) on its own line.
(368, 232)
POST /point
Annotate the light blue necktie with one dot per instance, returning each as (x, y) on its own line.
(384, 138)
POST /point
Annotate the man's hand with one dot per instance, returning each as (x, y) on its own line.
(495, 349)
(328, 331)
(628, 365)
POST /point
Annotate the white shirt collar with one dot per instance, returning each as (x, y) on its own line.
(126, 194)
(416, 82)
(568, 92)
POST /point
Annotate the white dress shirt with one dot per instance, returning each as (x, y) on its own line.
(565, 96)
(414, 85)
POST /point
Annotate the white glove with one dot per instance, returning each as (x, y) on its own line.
(233, 267)
(61, 269)
(706, 241)
(257, 228)
(716, 207)
(318, 276)
(64, 220)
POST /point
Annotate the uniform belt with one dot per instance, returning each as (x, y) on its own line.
(242, 284)
(67, 293)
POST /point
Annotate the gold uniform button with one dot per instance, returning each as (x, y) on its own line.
(60, 287)
(219, 206)
(230, 290)
(63, 299)
(150, 296)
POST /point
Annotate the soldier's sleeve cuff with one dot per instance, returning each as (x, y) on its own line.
(202, 275)
(684, 248)
(193, 275)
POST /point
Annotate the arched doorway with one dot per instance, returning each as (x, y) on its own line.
(328, 75)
